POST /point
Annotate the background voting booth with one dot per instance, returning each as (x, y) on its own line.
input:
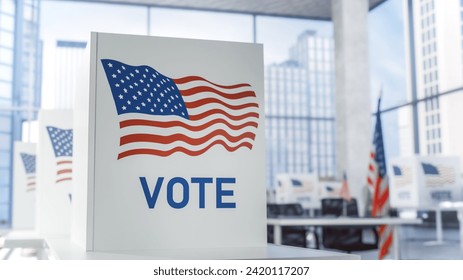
(305, 189)
(423, 182)
(54, 172)
(24, 186)
(298, 188)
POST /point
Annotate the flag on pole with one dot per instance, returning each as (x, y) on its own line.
(344, 191)
(378, 181)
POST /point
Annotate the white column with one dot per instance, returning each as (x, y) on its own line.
(353, 115)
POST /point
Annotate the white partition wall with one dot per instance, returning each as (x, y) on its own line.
(298, 188)
(24, 185)
(54, 172)
(424, 181)
(170, 144)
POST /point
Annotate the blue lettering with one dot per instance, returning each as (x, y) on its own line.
(151, 199)
(170, 193)
(202, 189)
(221, 193)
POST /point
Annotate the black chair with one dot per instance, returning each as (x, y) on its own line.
(291, 235)
(345, 238)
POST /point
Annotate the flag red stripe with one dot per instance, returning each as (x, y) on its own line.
(31, 177)
(167, 124)
(182, 150)
(376, 208)
(371, 167)
(163, 139)
(64, 162)
(31, 184)
(207, 101)
(381, 229)
(384, 249)
(383, 198)
(232, 96)
(372, 155)
(370, 181)
(197, 78)
(64, 179)
(222, 112)
(63, 171)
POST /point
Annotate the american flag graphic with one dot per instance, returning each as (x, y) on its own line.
(61, 140)
(161, 116)
(378, 181)
(29, 166)
(438, 175)
(402, 175)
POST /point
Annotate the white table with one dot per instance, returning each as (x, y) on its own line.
(63, 248)
(24, 239)
(447, 206)
(341, 221)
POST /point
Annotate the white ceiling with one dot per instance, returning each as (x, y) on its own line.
(309, 9)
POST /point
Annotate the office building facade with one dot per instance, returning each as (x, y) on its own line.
(300, 110)
(20, 84)
(434, 65)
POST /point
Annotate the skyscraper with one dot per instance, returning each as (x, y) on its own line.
(20, 83)
(69, 55)
(300, 110)
(435, 65)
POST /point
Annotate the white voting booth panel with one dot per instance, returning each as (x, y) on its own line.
(298, 188)
(170, 144)
(24, 185)
(424, 181)
(54, 172)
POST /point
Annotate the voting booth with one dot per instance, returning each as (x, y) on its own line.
(24, 186)
(298, 188)
(169, 145)
(54, 172)
(424, 181)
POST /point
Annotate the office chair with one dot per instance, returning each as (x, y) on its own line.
(291, 235)
(345, 238)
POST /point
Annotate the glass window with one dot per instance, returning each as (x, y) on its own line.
(5, 124)
(7, 6)
(6, 72)
(6, 55)
(4, 160)
(201, 25)
(7, 39)
(5, 90)
(4, 177)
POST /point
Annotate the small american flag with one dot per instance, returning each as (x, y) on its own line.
(61, 140)
(344, 191)
(377, 179)
(438, 175)
(402, 175)
(160, 116)
(29, 166)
